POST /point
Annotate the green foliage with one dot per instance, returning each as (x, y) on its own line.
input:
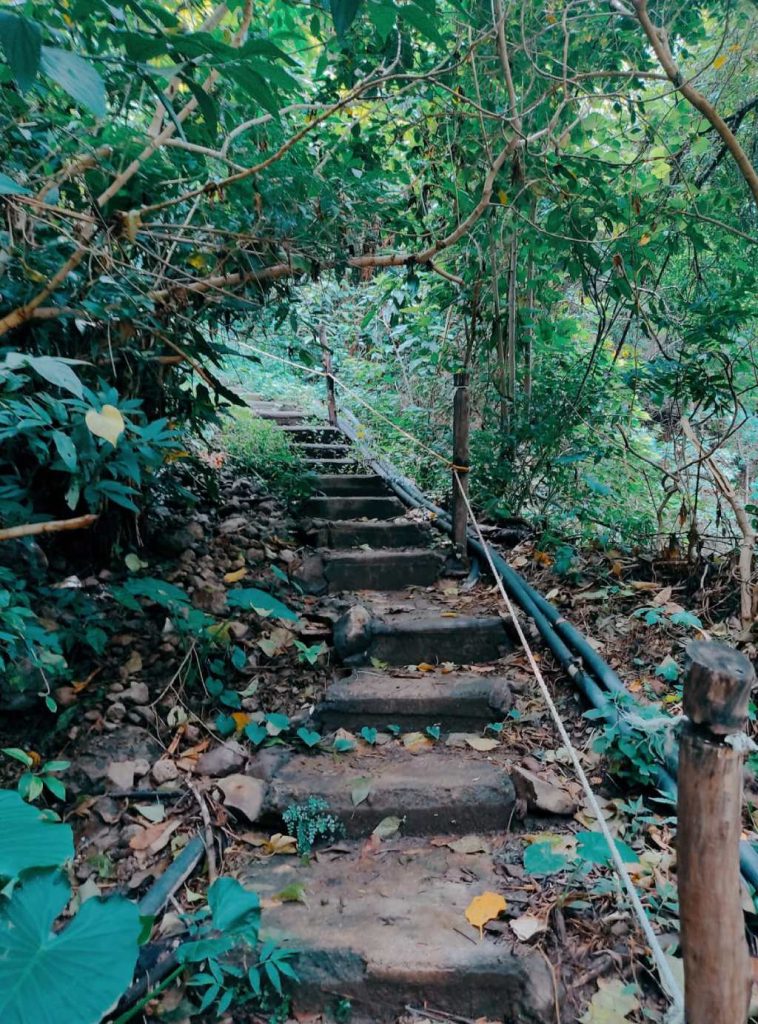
(31, 838)
(636, 742)
(76, 973)
(311, 823)
(260, 448)
(31, 784)
(81, 969)
(263, 603)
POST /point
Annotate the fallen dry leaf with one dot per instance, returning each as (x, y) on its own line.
(611, 1004)
(482, 743)
(484, 908)
(243, 793)
(468, 844)
(154, 837)
(527, 926)
(414, 741)
(236, 576)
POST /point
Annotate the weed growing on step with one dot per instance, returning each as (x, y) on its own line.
(311, 823)
(265, 451)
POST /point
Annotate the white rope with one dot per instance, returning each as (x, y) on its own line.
(668, 981)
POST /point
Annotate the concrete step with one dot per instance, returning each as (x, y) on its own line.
(284, 417)
(382, 570)
(389, 931)
(334, 466)
(348, 534)
(454, 700)
(435, 791)
(412, 639)
(337, 507)
(352, 485)
(311, 449)
(313, 433)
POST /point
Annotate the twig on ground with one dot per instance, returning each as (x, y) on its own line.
(210, 849)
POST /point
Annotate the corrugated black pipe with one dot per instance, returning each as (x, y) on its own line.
(565, 642)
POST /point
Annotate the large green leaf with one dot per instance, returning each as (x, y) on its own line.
(343, 14)
(234, 908)
(76, 76)
(235, 915)
(28, 839)
(73, 976)
(9, 187)
(20, 40)
(261, 602)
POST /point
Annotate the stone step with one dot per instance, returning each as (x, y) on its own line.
(312, 449)
(411, 639)
(382, 570)
(284, 417)
(385, 932)
(336, 507)
(352, 534)
(351, 485)
(435, 791)
(348, 534)
(328, 465)
(454, 700)
(313, 433)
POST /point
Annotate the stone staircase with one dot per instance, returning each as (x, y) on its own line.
(383, 924)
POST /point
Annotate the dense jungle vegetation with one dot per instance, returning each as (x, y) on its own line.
(560, 197)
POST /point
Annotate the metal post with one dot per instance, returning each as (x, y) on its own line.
(716, 960)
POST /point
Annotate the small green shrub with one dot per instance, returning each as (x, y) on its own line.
(261, 448)
(311, 822)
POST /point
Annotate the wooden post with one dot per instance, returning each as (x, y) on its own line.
(331, 401)
(460, 460)
(716, 960)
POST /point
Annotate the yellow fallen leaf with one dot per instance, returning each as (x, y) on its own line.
(482, 743)
(720, 61)
(413, 741)
(484, 908)
(425, 667)
(236, 576)
(240, 720)
(108, 423)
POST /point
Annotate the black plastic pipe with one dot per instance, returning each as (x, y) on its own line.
(565, 642)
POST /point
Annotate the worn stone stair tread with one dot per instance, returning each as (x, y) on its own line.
(353, 485)
(284, 416)
(348, 533)
(308, 428)
(377, 569)
(323, 449)
(434, 791)
(339, 507)
(455, 700)
(330, 460)
(415, 637)
(390, 931)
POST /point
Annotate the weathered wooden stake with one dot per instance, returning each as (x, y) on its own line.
(460, 459)
(716, 961)
(331, 400)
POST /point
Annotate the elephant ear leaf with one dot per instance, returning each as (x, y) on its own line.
(29, 840)
(74, 975)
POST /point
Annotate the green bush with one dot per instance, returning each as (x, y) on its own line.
(261, 448)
